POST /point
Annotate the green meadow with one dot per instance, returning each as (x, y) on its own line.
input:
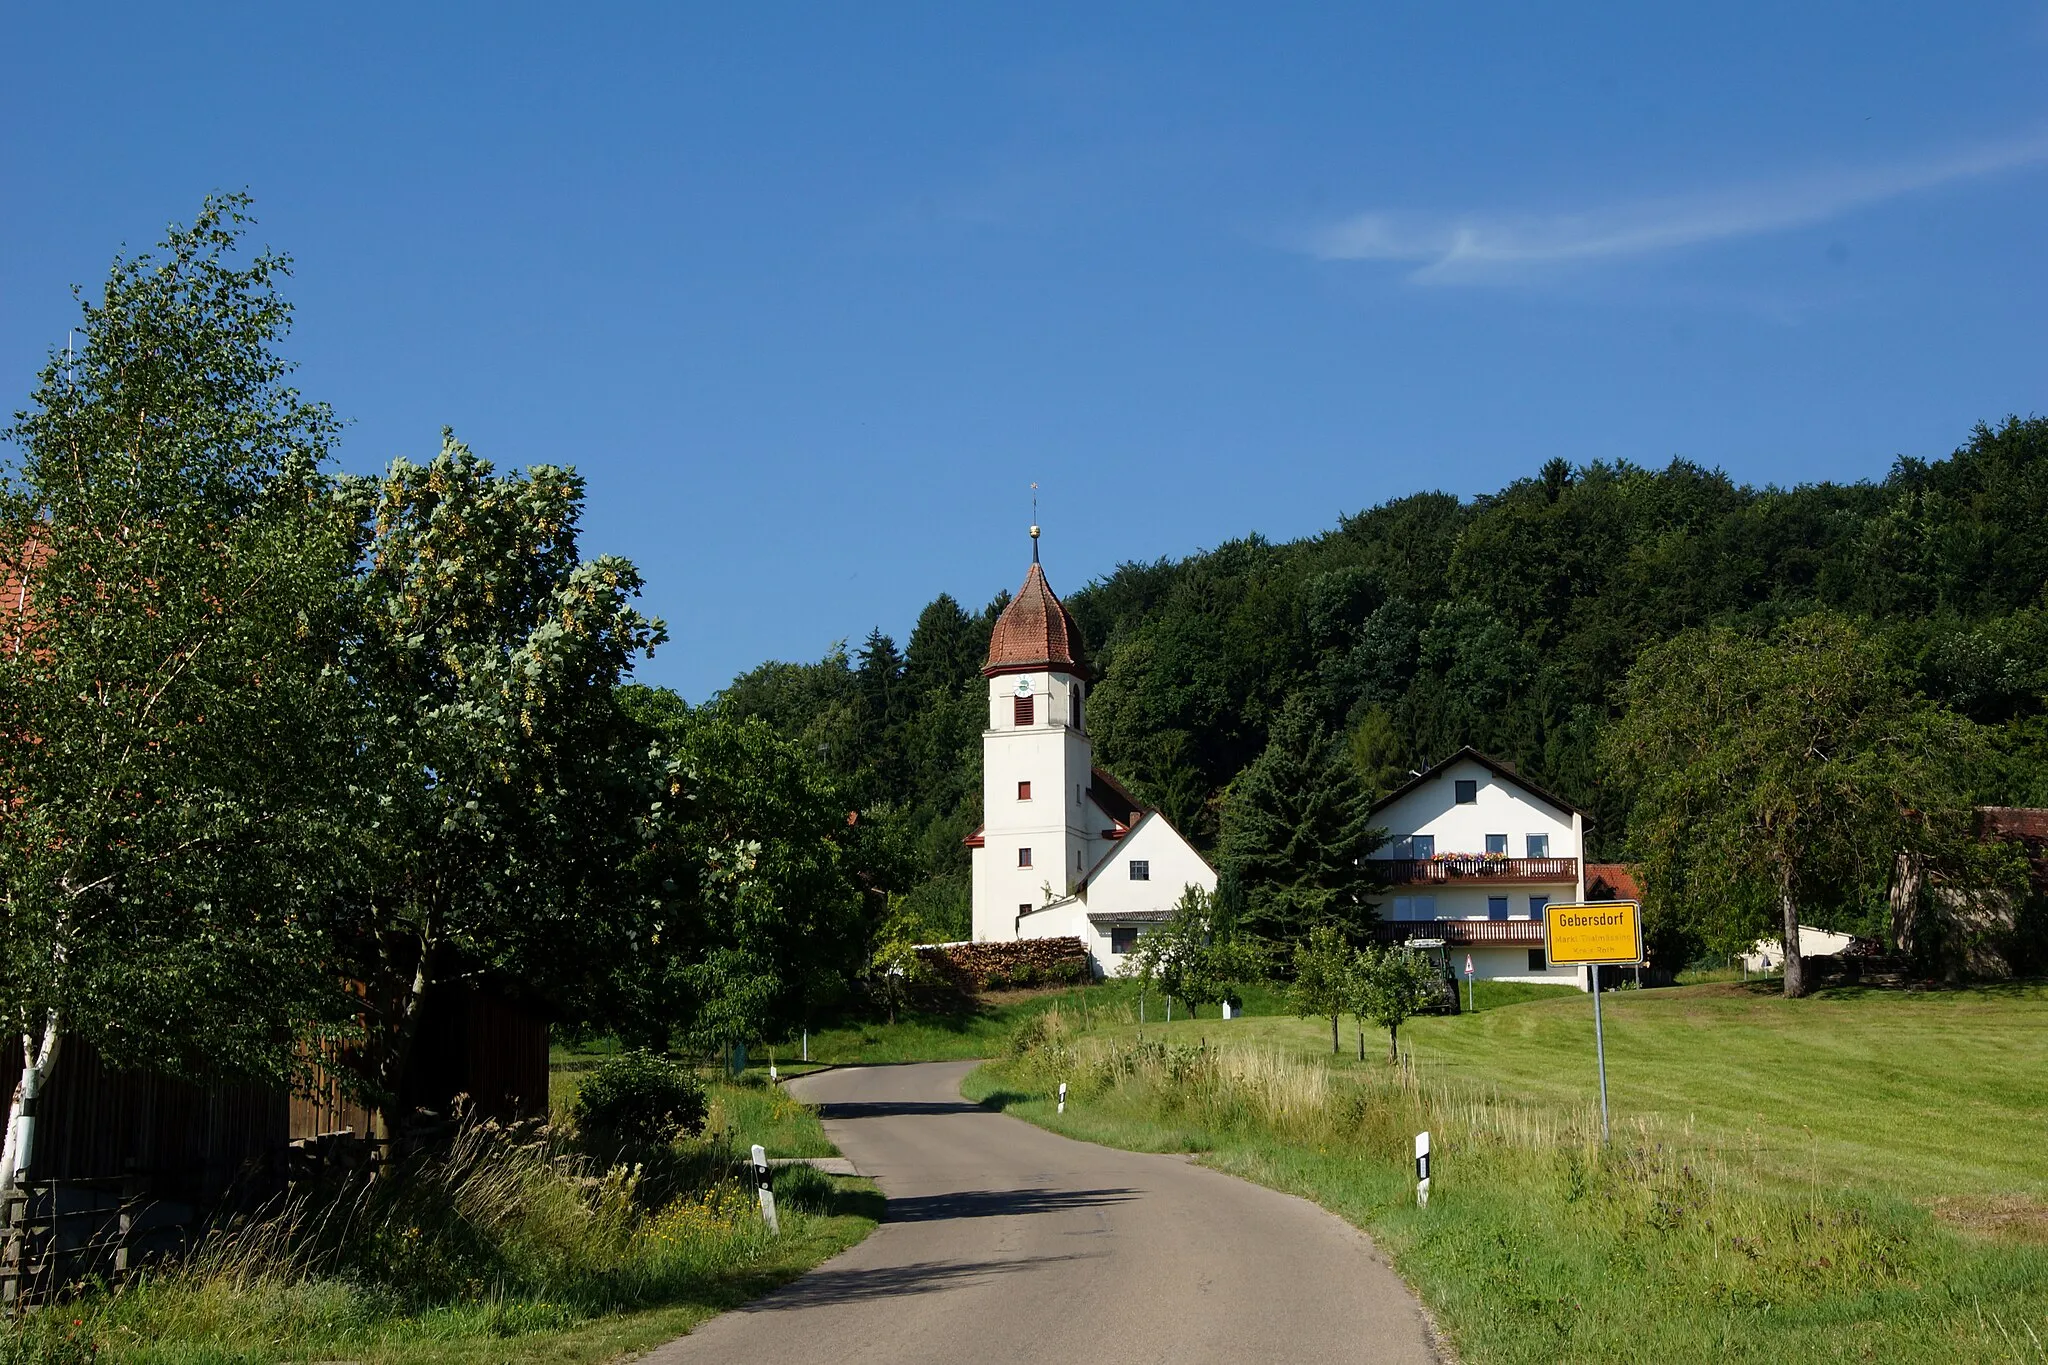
(1855, 1176)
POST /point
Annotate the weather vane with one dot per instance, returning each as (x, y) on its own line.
(1034, 523)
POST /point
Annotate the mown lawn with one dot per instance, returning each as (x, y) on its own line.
(1857, 1176)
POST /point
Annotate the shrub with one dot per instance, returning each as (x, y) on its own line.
(639, 1099)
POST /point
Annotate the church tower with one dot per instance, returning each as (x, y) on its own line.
(1035, 844)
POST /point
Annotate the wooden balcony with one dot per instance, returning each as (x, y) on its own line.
(1516, 933)
(1505, 871)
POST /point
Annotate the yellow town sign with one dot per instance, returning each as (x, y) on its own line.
(1603, 933)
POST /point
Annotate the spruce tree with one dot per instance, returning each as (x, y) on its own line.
(1296, 830)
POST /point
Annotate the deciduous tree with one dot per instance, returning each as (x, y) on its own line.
(170, 762)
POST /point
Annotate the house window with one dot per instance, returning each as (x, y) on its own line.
(1539, 846)
(1123, 940)
(1422, 847)
(1466, 791)
(1537, 962)
(1497, 843)
(1077, 860)
(1022, 711)
(1074, 706)
(1496, 907)
(1025, 908)
(1141, 870)
(1536, 904)
(1023, 791)
(1415, 907)
(1023, 857)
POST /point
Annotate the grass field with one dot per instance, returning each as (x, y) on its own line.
(1856, 1176)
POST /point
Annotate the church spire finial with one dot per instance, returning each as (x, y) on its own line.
(1034, 523)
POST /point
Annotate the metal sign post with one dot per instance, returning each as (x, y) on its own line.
(1468, 983)
(1595, 935)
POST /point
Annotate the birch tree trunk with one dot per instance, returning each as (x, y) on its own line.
(39, 1059)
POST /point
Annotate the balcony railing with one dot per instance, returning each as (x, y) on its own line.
(1520, 933)
(1436, 871)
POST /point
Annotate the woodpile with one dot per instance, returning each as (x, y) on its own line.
(976, 967)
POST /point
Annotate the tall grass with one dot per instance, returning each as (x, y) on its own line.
(1541, 1242)
(499, 1232)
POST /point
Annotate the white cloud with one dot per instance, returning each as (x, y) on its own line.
(1470, 248)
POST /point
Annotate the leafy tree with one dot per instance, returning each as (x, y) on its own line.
(170, 767)
(1297, 829)
(758, 887)
(501, 797)
(1774, 777)
(1387, 986)
(1322, 977)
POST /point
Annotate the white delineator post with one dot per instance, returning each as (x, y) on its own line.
(1422, 1170)
(1063, 1097)
(767, 1194)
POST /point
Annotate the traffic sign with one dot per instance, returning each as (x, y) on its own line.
(1596, 934)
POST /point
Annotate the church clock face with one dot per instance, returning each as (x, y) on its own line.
(1023, 687)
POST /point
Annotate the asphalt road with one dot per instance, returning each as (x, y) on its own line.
(1004, 1243)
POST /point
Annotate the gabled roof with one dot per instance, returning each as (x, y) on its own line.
(1113, 800)
(1492, 765)
(1035, 632)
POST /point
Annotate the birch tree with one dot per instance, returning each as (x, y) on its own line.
(165, 775)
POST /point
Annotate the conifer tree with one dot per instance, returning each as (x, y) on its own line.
(1297, 827)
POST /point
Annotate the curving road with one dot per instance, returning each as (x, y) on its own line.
(1005, 1243)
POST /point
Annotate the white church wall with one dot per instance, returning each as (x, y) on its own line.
(1171, 865)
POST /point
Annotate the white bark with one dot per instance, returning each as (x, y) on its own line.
(18, 1152)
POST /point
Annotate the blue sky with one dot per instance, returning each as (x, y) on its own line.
(813, 293)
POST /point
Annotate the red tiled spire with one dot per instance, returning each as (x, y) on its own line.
(1035, 632)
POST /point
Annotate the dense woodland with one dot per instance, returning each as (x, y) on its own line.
(1508, 621)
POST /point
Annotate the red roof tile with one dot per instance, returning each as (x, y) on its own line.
(1034, 632)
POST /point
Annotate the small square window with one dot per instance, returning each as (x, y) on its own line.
(1496, 907)
(1123, 940)
(1141, 870)
(1023, 711)
(1466, 791)
(1422, 847)
(1537, 962)
(1025, 908)
(1023, 791)
(1023, 857)
(1497, 843)
(1539, 846)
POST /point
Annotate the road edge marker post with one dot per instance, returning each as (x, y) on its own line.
(767, 1192)
(1063, 1097)
(1422, 1170)
(1600, 934)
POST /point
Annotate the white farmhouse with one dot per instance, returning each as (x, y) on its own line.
(1063, 850)
(1474, 854)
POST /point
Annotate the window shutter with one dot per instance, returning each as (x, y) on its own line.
(1024, 711)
